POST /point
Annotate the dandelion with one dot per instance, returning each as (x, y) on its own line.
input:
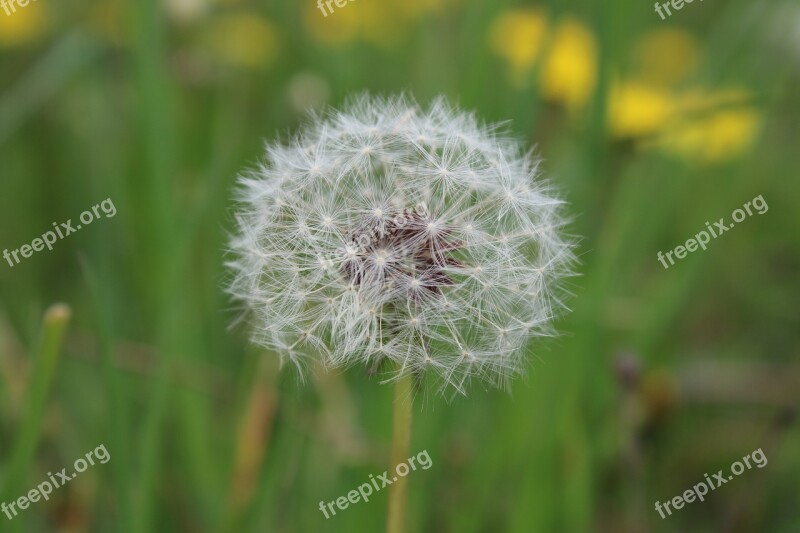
(389, 235)
(386, 233)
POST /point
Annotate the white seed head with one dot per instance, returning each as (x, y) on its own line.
(391, 232)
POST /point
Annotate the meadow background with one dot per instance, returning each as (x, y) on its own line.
(649, 128)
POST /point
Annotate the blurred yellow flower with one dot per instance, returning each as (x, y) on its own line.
(667, 56)
(242, 39)
(714, 138)
(23, 26)
(339, 27)
(699, 125)
(381, 22)
(518, 36)
(569, 71)
(636, 109)
(701, 100)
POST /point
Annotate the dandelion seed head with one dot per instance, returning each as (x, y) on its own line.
(389, 231)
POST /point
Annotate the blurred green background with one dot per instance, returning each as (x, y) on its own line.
(649, 127)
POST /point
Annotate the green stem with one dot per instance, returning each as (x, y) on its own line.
(153, 84)
(41, 379)
(118, 409)
(401, 439)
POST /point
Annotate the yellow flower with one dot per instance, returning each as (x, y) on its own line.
(22, 26)
(569, 72)
(666, 57)
(341, 26)
(243, 39)
(699, 125)
(518, 36)
(381, 22)
(714, 138)
(700, 100)
(637, 109)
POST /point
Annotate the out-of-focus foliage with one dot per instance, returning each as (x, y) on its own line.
(650, 128)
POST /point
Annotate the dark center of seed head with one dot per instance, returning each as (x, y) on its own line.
(401, 249)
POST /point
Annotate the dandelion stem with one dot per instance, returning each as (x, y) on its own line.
(401, 439)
